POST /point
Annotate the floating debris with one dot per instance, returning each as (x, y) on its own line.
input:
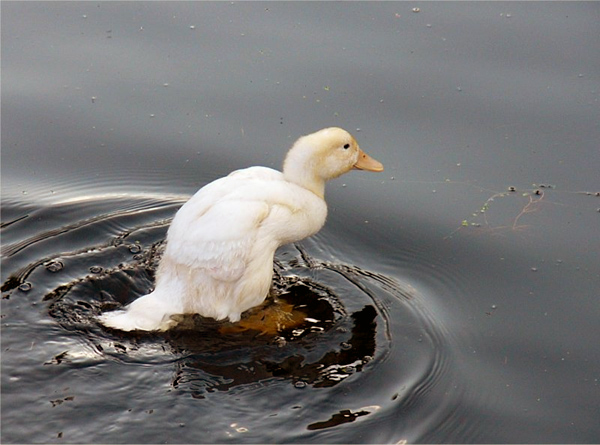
(61, 401)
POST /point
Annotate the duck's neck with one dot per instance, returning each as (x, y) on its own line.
(304, 178)
(299, 169)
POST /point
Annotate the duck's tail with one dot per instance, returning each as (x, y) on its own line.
(147, 313)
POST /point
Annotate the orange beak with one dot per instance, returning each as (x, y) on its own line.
(366, 162)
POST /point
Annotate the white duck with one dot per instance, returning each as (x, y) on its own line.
(218, 261)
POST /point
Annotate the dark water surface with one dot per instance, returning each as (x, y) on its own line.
(453, 298)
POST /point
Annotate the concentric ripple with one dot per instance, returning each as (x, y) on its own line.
(365, 359)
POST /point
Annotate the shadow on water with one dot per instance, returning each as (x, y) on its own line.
(361, 346)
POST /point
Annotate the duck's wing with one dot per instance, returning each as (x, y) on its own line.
(217, 229)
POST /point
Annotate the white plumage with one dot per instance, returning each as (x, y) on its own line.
(218, 261)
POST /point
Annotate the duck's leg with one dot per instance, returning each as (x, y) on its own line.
(269, 319)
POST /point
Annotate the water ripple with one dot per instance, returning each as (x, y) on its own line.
(368, 358)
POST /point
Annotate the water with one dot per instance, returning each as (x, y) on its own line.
(357, 321)
(453, 298)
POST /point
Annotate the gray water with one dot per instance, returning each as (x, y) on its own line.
(461, 285)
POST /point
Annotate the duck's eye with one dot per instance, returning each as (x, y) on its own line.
(347, 146)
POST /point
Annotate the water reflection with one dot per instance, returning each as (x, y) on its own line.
(250, 362)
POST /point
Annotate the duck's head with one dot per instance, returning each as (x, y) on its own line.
(324, 155)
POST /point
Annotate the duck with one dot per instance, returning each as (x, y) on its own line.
(220, 246)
